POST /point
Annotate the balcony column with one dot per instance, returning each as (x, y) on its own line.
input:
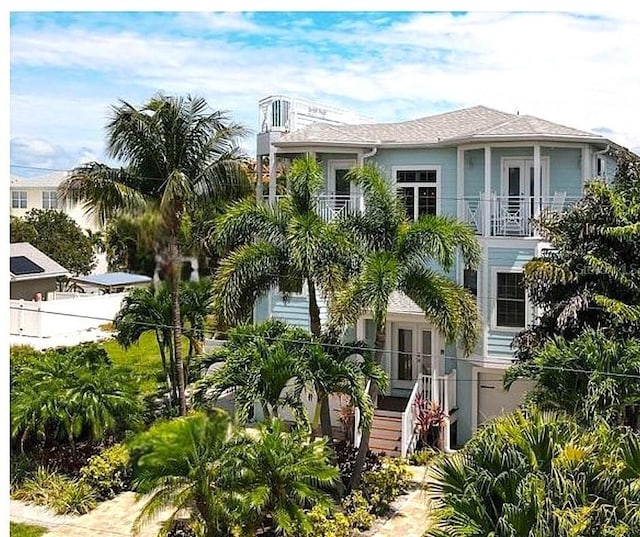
(273, 167)
(460, 184)
(537, 182)
(487, 208)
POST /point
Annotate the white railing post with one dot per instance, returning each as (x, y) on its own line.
(357, 430)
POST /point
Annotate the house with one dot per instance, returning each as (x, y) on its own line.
(42, 193)
(492, 169)
(31, 272)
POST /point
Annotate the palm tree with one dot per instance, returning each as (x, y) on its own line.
(196, 306)
(149, 310)
(288, 474)
(189, 464)
(175, 153)
(537, 473)
(286, 245)
(398, 256)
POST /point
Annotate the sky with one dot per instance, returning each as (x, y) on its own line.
(67, 68)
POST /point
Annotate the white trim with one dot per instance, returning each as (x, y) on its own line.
(334, 165)
(544, 178)
(492, 299)
(527, 143)
(420, 167)
(509, 241)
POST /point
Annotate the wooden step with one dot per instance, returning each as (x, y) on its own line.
(388, 446)
(386, 433)
(387, 414)
(386, 425)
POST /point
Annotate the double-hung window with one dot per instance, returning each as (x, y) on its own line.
(418, 190)
(49, 199)
(510, 300)
(18, 199)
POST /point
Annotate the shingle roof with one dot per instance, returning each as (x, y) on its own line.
(114, 279)
(477, 122)
(51, 268)
(401, 303)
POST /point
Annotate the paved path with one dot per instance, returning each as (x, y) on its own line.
(411, 517)
(114, 518)
(36, 515)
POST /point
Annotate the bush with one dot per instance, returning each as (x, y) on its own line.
(346, 457)
(62, 494)
(359, 511)
(108, 473)
(423, 456)
(325, 524)
(380, 487)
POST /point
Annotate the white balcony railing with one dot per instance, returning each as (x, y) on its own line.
(510, 216)
(332, 206)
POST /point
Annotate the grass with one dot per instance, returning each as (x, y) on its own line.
(25, 530)
(141, 360)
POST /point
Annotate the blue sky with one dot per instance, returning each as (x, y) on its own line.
(67, 68)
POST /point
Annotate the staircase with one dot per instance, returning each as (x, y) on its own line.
(386, 432)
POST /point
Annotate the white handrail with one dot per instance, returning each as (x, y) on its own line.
(409, 436)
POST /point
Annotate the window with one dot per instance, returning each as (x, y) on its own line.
(405, 354)
(418, 189)
(470, 281)
(510, 304)
(49, 199)
(18, 199)
(280, 113)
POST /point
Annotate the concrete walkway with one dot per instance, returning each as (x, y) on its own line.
(36, 515)
(411, 512)
(114, 518)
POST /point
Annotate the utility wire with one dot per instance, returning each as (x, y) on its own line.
(355, 348)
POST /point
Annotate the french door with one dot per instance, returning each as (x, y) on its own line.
(413, 345)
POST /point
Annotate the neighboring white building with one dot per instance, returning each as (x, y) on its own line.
(42, 193)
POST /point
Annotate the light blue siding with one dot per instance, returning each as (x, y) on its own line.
(295, 311)
(473, 173)
(261, 310)
(445, 158)
(464, 396)
(565, 170)
(499, 341)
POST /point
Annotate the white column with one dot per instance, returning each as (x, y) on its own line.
(537, 181)
(587, 170)
(486, 210)
(272, 175)
(460, 183)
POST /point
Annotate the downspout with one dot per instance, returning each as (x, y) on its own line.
(371, 153)
(594, 162)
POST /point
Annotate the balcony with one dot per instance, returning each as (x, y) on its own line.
(333, 206)
(510, 216)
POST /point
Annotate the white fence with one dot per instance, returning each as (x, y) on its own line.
(65, 316)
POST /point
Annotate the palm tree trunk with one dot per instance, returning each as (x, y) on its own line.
(363, 449)
(174, 279)
(314, 310)
(325, 416)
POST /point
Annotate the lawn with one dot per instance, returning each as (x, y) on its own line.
(25, 530)
(142, 360)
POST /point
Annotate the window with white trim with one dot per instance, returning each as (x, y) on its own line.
(18, 199)
(418, 190)
(470, 281)
(510, 300)
(49, 199)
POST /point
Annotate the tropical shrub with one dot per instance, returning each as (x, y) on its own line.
(423, 456)
(108, 473)
(380, 487)
(56, 491)
(327, 524)
(71, 394)
(539, 473)
(358, 511)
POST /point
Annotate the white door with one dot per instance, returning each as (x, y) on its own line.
(517, 203)
(337, 184)
(493, 400)
(413, 345)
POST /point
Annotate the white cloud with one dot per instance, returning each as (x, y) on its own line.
(573, 70)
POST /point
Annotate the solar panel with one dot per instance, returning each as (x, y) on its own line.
(23, 265)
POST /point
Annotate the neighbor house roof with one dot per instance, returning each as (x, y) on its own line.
(113, 279)
(28, 263)
(51, 180)
(476, 123)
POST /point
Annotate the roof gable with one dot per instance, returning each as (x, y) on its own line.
(50, 269)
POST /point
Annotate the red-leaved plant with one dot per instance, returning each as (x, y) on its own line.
(429, 421)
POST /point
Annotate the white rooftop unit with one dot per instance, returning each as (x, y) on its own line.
(280, 113)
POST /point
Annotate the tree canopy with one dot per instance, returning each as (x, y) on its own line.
(57, 235)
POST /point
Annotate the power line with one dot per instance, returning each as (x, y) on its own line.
(491, 361)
